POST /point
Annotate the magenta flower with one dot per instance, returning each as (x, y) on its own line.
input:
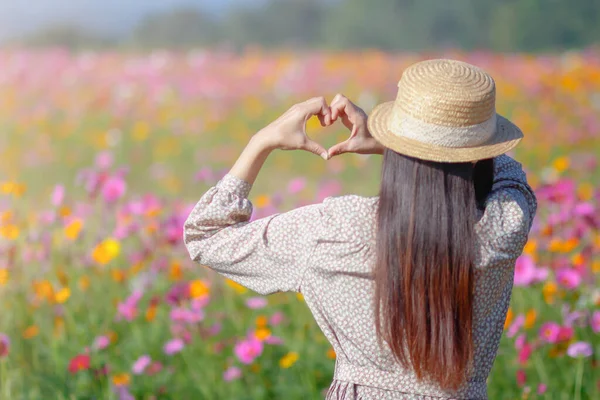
(580, 349)
(101, 342)
(173, 346)
(296, 185)
(128, 309)
(565, 333)
(58, 195)
(596, 321)
(521, 377)
(568, 277)
(215, 329)
(549, 332)
(248, 349)
(256, 302)
(141, 364)
(231, 374)
(113, 189)
(525, 353)
(4, 345)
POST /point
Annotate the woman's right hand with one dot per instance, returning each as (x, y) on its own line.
(355, 119)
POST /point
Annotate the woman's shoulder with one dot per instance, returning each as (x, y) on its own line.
(356, 214)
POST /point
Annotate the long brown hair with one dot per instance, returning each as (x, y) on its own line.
(424, 273)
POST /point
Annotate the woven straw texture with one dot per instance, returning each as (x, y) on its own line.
(444, 111)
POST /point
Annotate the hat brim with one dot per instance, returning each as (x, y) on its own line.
(507, 136)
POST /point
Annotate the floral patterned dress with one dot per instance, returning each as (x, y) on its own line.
(327, 251)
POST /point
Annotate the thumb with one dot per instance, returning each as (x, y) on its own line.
(338, 149)
(315, 148)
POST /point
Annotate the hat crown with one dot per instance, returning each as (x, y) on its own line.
(447, 93)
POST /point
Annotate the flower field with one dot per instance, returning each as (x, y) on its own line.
(102, 156)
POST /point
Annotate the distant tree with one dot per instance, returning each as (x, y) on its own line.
(65, 35)
(179, 28)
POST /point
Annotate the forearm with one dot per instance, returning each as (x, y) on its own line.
(251, 160)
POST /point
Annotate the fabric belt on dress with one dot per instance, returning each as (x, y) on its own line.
(402, 383)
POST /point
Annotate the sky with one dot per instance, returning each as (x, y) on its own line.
(112, 17)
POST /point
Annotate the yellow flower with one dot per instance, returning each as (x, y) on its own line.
(262, 334)
(121, 379)
(4, 275)
(31, 332)
(62, 295)
(555, 245)
(73, 229)
(288, 360)
(198, 289)
(255, 368)
(300, 296)
(530, 319)
(84, 283)
(16, 189)
(578, 259)
(106, 251)
(585, 191)
(509, 318)
(140, 131)
(595, 267)
(64, 211)
(331, 353)
(261, 321)
(549, 290)
(262, 201)
(10, 231)
(236, 286)
(570, 245)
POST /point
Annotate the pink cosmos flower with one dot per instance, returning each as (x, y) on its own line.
(584, 209)
(516, 325)
(274, 340)
(296, 185)
(328, 189)
(4, 345)
(104, 160)
(248, 349)
(520, 341)
(568, 277)
(256, 302)
(231, 374)
(141, 364)
(524, 271)
(565, 333)
(185, 315)
(101, 342)
(113, 189)
(215, 329)
(580, 349)
(542, 387)
(549, 332)
(277, 318)
(173, 346)
(596, 321)
(154, 368)
(128, 309)
(58, 195)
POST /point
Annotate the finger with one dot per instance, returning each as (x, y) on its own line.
(338, 149)
(316, 148)
(314, 106)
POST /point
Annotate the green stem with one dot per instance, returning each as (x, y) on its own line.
(579, 378)
(3, 381)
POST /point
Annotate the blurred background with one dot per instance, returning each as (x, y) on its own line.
(116, 116)
(501, 25)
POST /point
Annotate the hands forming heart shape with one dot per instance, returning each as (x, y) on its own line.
(288, 132)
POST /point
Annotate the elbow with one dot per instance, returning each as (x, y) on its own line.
(192, 240)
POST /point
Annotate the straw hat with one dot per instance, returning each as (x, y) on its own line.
(444, 111)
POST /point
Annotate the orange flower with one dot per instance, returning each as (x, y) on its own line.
(4, 275)
(530, 318)
(331, 353)
(31, 332)
(262, 334)
(84, 283)
(151, 313)
(262, 201)
(509, 318)
(62, 295)
(549, 290)
(121, 379)
(198, 289)
(261, 321)
(175, 272)
(236, 286)
(10, 231)
(106, 251)
(117, 275)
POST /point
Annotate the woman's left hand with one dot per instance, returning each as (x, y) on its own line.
(288, 132)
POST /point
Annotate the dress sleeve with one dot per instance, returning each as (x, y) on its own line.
(267, 255)
(509, 210)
